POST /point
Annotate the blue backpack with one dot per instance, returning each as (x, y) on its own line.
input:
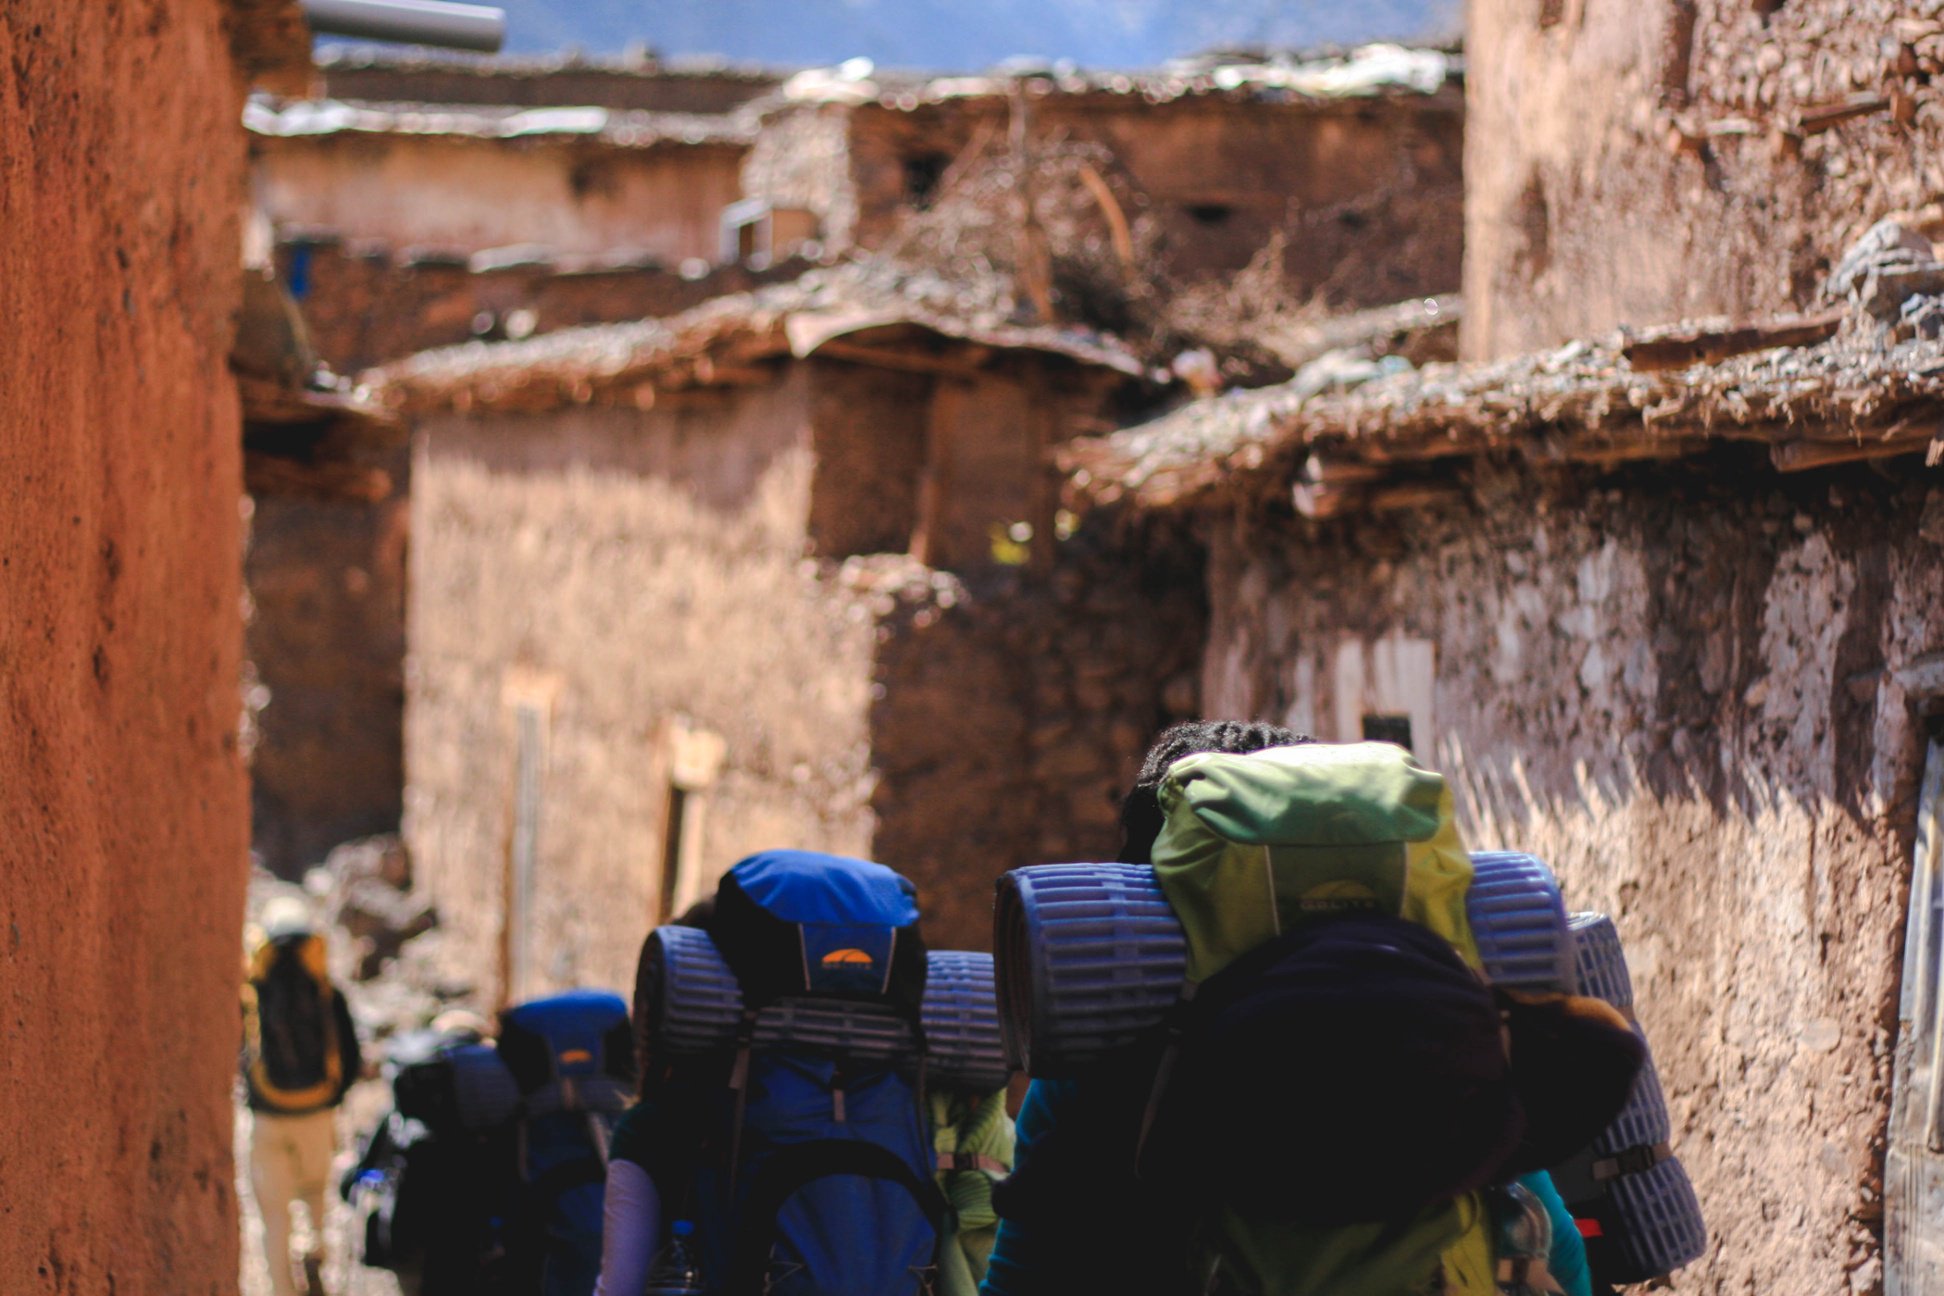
(572, 1058)
(815, 1175)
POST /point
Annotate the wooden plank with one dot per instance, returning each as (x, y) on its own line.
(1913, 1172)
(901, 361)
(1817, 118)
(1679, 347)
(1798, 456)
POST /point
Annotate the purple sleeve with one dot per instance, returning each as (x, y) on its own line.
(631, 1230)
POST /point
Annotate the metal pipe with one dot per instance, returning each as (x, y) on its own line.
(410, 22)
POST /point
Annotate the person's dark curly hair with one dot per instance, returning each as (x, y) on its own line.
(1140, 812)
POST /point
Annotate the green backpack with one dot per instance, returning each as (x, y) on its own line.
(973, 1137)
(1254, 845)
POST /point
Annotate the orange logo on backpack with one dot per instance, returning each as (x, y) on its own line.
(844, 957)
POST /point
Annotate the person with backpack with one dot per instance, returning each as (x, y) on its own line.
(1178, 1145)
(300, 1055)
(784, 1167)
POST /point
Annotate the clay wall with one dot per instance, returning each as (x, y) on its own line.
(1630, 164)
(457, 194)
(1679, 688)
(1368, 195)
(627, 579)
(1013, 708)
(123, 810)
(326, 644)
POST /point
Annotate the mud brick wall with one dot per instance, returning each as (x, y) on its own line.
(123, 809)
(326, 643)
(1012, 710)
(1680, 689)
(1639, 163)
(1369, 194)
(462, 194)
(622, 573)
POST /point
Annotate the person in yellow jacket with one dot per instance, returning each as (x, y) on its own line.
(300, 1054)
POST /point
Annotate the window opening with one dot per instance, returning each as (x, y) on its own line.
(1388, 728)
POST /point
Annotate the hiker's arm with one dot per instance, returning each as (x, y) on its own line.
(1567, 1259)
(630, 1230)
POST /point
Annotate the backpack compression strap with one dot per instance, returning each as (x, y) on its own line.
(793, 1167)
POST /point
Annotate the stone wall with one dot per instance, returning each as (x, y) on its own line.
(1013, 708)
(123, 810)
(1368, 196)
(1679, 687)
(458, 194)
(1629, 164)
(637, 583)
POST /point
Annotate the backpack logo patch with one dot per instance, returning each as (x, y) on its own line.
(847, 958)
(1340, 897)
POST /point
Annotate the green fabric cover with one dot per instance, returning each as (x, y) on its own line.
(1254, 844)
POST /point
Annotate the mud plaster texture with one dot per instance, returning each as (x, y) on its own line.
(123, 812)
(1012, 709)
(736, 566)
(326, 645)
(1368, 196)
(1640, 163)
(621, 573)
(464, 195)
(1679, 689)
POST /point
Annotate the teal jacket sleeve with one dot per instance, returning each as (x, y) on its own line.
(1021, 1256)
(1567, 1260)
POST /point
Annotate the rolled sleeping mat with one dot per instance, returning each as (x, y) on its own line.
(961, 1019)
(1519, 922)
(1091, 956)
(1632, 1196)
(694, 1003)
(695, 1007)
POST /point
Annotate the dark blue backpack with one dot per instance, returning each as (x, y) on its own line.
(816, 1178)
(572, 1058)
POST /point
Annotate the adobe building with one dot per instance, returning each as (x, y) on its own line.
(425, 202)
(775, 572)
(1342, 156)
(124, 818)
(1666, 609)
(575, 179)
(1352, 162)
(1642, 163)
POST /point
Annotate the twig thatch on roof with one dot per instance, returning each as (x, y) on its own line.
(1842, 400)
(860, 314)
